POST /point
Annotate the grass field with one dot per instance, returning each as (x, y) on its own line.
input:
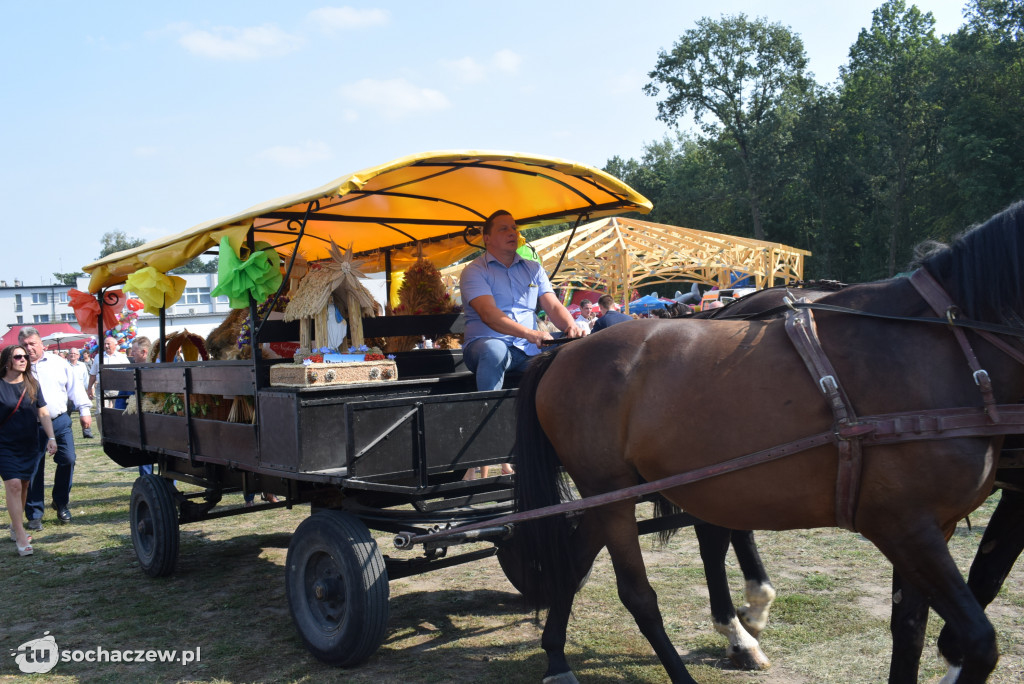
(463, 624)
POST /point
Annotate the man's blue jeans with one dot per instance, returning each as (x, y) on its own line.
(65, 460)
(490, 358)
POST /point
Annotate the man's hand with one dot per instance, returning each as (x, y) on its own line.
(86, 421)
(574, 331)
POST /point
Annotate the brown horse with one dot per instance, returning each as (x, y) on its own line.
(655, 396)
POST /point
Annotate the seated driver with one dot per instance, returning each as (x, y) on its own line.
(503, 291)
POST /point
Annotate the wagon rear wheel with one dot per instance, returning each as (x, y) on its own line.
(154, 523)
(337, 588)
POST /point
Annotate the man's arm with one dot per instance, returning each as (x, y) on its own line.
(496, 320)
(559, 315)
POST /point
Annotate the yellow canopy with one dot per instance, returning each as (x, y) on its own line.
(423, 202)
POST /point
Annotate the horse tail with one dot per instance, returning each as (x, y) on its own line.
(662, 509)
(542, 546)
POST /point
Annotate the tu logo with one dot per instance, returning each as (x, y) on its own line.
(37, 656)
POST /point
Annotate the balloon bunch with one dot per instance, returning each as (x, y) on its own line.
(125, 330)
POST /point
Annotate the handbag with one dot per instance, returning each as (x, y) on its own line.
(16, 407)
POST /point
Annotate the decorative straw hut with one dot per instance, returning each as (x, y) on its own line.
(336, 279)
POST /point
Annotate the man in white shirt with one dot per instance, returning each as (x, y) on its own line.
(58, 384)
(111, 357)
(81, 372)
(585, 319)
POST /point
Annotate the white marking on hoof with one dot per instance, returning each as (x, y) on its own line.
(743, 651)
(951, 676)
(562, 678)
(754, 614)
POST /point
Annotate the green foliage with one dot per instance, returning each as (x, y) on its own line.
(117, 241)
(920, 137)
(67, 278)
(197, 265)
(740, 79)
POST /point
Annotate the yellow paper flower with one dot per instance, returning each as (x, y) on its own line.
(155, 289)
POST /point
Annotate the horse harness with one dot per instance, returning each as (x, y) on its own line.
(849, 432)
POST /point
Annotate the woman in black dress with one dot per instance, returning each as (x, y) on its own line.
(22, 411)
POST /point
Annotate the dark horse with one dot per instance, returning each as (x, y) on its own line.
(1001, 544)
(649, 397)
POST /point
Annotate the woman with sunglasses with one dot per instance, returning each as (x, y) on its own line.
(22, 410)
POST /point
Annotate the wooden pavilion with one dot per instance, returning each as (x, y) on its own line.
(617, 255)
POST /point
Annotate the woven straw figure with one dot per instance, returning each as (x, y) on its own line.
(422, 293)
(339, 279)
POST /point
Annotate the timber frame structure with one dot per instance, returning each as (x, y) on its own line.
(619, 254)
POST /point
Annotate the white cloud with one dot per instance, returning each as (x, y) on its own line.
(295, 156)
(466, 70)
(507, 61)
(469, 70)
(346, 18)
(252, 42)
(394, 98)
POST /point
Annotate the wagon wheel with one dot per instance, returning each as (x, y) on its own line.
(154, 523)
(337, 588)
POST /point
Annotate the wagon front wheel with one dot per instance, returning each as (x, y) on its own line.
(154, 523)
(337, 588)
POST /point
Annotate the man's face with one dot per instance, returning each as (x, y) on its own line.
(73, 356)
(139, 353)
(110, 345)
(504, 235)
(585, 309)
(35, 348)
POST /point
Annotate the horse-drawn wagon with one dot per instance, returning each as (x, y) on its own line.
(367, 453)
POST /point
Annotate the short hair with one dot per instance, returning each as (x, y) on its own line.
(27, 332)
(606, 301)
(489, 223)
(142, 341)
(587, 302)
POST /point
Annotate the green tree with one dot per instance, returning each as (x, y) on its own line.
(979, 88)
(892, 118)
(197, 265)
(116, 241)
(67, 278)
(736, 77)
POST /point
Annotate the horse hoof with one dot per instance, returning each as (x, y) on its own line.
(749, 659)
(561, 678)
(951, 676)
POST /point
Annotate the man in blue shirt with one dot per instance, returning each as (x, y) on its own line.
(609, 314)
(502, 291)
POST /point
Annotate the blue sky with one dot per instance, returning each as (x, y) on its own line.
(152, 117)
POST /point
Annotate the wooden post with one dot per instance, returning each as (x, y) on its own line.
(305, 337)
(355, 321)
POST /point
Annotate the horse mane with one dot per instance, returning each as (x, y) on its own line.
(982, 270)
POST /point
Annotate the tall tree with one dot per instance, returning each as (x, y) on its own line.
(116, 241)
(67, 278)
(735, 76)
(893, 120)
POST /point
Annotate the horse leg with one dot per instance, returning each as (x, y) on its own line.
(758, 588)
(586, 542)
(907, 625)
(635, 591)
(743, 649)
(1000, 547)
(921, 557)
